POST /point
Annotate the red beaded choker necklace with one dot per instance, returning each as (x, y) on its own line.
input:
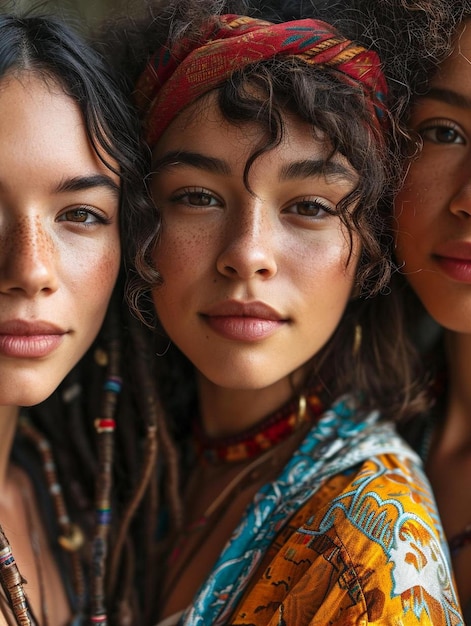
(269, 432)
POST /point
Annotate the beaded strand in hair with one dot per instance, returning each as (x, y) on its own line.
(170, 461)
(12, 584)
(104, 427)
(145, 487)
(72, 397)
(71, 538)
(151, 408)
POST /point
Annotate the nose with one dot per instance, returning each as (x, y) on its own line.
(460, 204)
(249, 248)
(27, 259)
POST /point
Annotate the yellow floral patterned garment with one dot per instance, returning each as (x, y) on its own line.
(362, 550)
(348, 534)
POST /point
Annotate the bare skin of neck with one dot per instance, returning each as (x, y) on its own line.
(226, 412)
(449, 463)
(22, 524)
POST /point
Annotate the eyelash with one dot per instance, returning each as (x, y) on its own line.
(202, 193)
(186, 193)
(97, 217)
(318, 203)
(441, 124)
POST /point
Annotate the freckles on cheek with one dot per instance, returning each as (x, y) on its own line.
(339, 268)
(109, 266)
(410, 196)
(98, 273)
(180, 252)
(423, 179)
(328, 261)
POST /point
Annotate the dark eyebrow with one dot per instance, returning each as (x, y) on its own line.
(78, 183)
(448, 96)
(298, 169)
(200, 161)
(312, 167)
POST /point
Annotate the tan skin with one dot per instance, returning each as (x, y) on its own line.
(20, 515)
(244, 276)
(434, 223)
(59, 259)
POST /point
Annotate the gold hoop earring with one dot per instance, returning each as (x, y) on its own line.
(302, 408)
(357, 339)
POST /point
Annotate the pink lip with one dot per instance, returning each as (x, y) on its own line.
(243, 321)
(456, 269)
(21, 339)
(454, 259)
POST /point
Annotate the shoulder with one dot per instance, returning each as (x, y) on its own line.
(364, 548)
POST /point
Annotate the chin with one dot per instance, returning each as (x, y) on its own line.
(453, 317)
(243, 381)
(25, 394)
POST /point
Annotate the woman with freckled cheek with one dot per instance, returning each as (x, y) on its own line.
(299, 503)
(434, 245)
(70, 171)
(59, 243)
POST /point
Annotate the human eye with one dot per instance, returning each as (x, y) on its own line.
(311, 207)
(83, 215)
(196, 198)
(442, 132)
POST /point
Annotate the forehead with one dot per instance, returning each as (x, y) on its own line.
(42, 129)
(36, 97)
(457, 66)
(202, 127)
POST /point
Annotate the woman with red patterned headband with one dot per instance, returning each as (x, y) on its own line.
(299, 503)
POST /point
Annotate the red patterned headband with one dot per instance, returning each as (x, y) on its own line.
(176, 77)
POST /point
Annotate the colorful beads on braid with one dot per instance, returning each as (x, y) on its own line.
(71, 538)
(6, 557)
(149, 406)
(12, 584)
(105, 425)
(105, 428)
(114, 383)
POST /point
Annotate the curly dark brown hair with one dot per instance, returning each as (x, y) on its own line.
(318, 97)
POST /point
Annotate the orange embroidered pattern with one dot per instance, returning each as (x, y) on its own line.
(347, 534)
(362, 550)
